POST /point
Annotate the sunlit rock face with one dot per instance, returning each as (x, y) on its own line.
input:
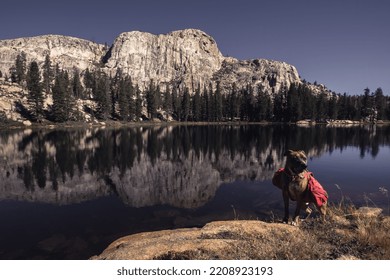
(187, 58)
(67, 52)
(266, 75)
(190, 58)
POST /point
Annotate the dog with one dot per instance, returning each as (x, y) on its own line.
(298, 184)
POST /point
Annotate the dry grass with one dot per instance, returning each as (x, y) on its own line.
(344, 235)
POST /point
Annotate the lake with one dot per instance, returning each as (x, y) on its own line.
(68, 193)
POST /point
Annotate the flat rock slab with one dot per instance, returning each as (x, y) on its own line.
(214, 238)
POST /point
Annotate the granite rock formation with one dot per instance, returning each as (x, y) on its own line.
(67, 52)
(181, 58)
(184, 58)
(218, 239)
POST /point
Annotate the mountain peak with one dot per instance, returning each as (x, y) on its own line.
(182, 58)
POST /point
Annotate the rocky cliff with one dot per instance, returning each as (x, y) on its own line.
(268, 75)
(185, 58)
(181, 58)
(68, 52)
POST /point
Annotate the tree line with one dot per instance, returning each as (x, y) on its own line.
(118, 98)
(124, 148)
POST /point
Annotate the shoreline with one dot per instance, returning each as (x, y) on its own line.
(348, 234)
(120, 124)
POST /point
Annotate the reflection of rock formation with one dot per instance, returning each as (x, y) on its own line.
(187, 180)
(186, 183)
(257, 167)
(74, 190)
(18, 182)
(177, 166)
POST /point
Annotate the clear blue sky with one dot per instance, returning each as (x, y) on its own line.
(343, 44)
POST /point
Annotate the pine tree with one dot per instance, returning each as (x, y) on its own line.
(211, 105)
(244, 116)
(70, 103)
(89, 82)
(185, 105)
(88, 79)
(294, 105)
(278, 106)
(167, 101)
(263, 104)
(59, 108)
(218, 103)
(113, 98)
(48, 74)
(122, 101)
(233, 103)
(380, 104)
(126, 99)
(333, 107)
(308, 101)
(356, 108)
(322, 107)
(151, 100)
(63, 99)
(138, 103)
(176, 102)
(196, 106)
(367, 103)
(342, 105)
(20, 68)
(101, 94)
(205, 106)
(35, 97)
(158, 97)
(225, 107)
(251, 103)
(77, 86)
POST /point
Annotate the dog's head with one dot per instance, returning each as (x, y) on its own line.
(296, 161)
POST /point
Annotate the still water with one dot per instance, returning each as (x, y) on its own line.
(67, 194)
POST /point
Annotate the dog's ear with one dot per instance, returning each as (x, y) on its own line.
(288, 152)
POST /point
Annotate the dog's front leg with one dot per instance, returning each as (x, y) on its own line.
(300, 204)
(286, 198)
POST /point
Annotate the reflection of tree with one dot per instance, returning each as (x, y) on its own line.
(125, 150)
(152, 146)
(28, 178)
(56, 155)
(65, 156)
(39, 162)
(102, 159)
(54, 173)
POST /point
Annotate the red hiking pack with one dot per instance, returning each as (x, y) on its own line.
(317, 192)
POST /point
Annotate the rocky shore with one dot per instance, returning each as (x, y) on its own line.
(347, 234)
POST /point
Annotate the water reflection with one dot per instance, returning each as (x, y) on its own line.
(68, 193)
(181, 166)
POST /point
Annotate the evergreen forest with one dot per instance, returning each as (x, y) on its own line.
(118, 98)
